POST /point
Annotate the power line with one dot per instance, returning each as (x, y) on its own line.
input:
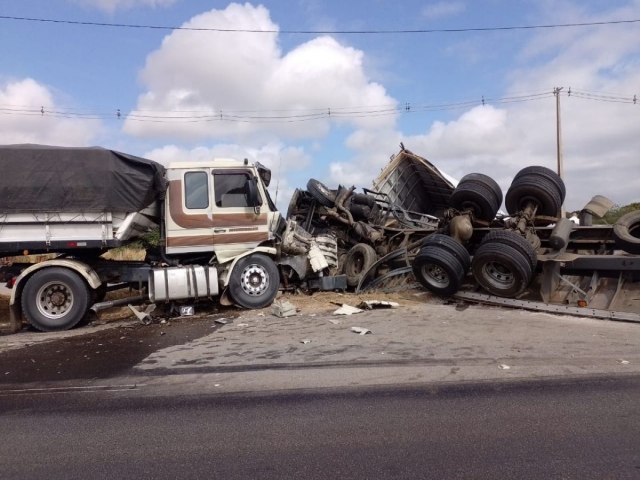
(321, 32)
(293, 116)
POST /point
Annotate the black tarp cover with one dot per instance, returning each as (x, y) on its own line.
(39, 178)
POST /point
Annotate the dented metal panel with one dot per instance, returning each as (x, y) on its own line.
(415, 184)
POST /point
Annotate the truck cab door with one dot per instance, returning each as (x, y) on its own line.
(221, 210)
(239, 220)
(188, 216)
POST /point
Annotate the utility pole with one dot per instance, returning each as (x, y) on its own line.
(556, 92)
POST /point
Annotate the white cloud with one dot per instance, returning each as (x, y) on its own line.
(249, 74)
(241, 76)
(22, 122)
(437, 10)
(110, 6)
(600, 138)
(274, 155)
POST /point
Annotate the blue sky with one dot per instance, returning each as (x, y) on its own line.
(187, 94)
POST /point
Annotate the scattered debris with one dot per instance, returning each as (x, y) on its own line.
(624, 362)
(334, 321)
(360, 330)
(143, 316)
(374, 304)
(347, 310)
(187, 310)
(243, 324)
(221, 321)
(503, 366)
(305, 341)
(283, 308)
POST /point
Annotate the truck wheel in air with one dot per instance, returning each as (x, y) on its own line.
(452, 245)
(537, 189)
(478, 193)
(626, 232)
(358, 260)
(321, 193)
(547, 173)
(501, 269)
(254, 281)
(439, 270)
(55, 299)
(514, 240)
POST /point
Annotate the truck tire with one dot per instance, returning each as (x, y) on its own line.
(254, 281)
(485, 180)
(321, 193)
(475, 192)
(514, 240)
(363, 207)
(501, 269)
(55, 299)
(364, 212)
(626, 232)
(535, 188)
(358, 260)
(547, 173)
(438, 270)
(362, 199)
(452, 245)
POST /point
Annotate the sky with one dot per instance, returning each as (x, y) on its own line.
(330, 89)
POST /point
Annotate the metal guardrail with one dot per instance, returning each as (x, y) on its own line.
(550, 308)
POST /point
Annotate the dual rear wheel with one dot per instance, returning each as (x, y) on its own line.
(503, 265)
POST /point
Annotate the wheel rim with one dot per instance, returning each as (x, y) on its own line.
(54, 300)
(435, 276)
(254, 280)
(498, 276)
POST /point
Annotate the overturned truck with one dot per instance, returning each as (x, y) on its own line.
(414, 224)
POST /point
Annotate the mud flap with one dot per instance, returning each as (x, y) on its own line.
(225, 299)
(15, 318)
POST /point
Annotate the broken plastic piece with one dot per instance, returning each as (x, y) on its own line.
(316, 258)
(360, 330)
(372, 304)
(283, 308)
(347, 310)
(143, 316)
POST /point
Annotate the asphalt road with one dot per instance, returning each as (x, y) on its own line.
(574, 429)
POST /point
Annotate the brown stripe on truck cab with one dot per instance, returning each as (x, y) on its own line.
(201, 220)
(205, 240)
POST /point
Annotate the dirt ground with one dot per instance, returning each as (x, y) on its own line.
(318, 302)
(117, 336)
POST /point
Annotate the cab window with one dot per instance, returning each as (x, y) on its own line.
(196, 190)
(231, 189)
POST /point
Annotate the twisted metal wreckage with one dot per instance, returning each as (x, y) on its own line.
(416, 225)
